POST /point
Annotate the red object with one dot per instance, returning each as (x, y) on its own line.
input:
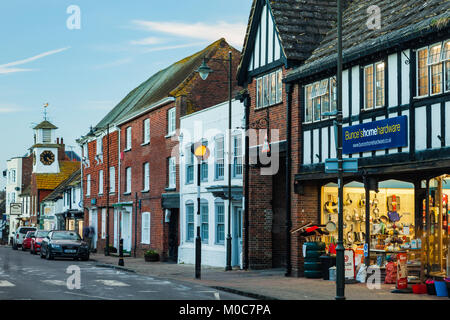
(311, 229)
(391, 273)
(419, 288)
(332, 248)
(36, 242)
(402, 271)
(26, 244)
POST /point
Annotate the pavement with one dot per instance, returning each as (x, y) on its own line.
(28, 277)
(258, 284)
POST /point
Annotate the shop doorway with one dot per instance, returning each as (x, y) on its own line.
(279, 216)
(93, 222)
(173, 235)
(236, 249)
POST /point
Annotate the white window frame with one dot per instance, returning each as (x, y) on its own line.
(324, 88)
(146, 177)
(267, 79)
(128, 180)
(146, 228)
(104, 223)
(443, 68)
(99, 146)
(219, 157)
(128, 138)
(112, 180)
(216, 222)
(189, 166)
(190, 204)
(100, 182)
(374, 85)
(88, 185)
(171, 121)
(172, 167)
(237, 157)
(146, 131)
(204, 220)
(86, 151)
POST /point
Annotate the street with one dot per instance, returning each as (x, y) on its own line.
(27, 277)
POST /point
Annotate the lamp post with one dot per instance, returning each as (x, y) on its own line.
(201, 152)
(204, 72)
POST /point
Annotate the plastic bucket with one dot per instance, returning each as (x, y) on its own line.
(441, 289)
(419, 289)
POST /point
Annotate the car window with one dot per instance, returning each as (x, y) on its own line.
(41, 234)
(25, 230)
(30, 234)
(65, 236)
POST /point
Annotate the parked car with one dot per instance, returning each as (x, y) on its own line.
(64, 244)
(36, 241)
(26, 244)
(19, 236)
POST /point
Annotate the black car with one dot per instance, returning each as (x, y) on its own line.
(64, 244)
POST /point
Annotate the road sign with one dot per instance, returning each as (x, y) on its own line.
(349, 165)
(15, 209)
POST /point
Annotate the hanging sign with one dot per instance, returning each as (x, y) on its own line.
(402, 271)
(375, 135)
(349, 264)
(15, 209)
(266, 145)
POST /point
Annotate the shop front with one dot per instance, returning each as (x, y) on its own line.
(71, 220)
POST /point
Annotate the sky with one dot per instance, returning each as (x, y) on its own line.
(82, 57)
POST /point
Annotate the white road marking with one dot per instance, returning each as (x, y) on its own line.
(113, 283)
(4, 283)
(216, 294)
(55, 282)
(89, 296)
(147, 291)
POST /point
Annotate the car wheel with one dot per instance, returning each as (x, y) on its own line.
(31, 250)
(42, 255)
(48, 255)
(14, 246)
(86, 258)
(23, 248)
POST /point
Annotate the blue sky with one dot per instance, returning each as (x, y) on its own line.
(83, 73)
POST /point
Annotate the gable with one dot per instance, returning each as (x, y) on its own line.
(266, 42)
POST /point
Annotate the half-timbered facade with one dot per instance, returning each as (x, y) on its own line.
(396, 84)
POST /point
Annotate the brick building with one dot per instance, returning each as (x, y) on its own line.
(280, 36)
(143, 151)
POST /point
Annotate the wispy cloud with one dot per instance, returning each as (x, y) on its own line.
(113, 64)
(186, 45)
(6, 68)
(98, 105)
(10, 108)
(147, 41)
(233, 32)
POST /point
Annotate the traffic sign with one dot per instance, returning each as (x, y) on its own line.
(349, 165)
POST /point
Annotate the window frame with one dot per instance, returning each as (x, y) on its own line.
(321, 92)
(128, 180)
(204, 224)
(374, 85)
(273, 86)
(144, 227)
(99, 146)
(171, 121)
(128, 139)
(146, 177)
(88, 185)
(204, 164)
(189, 166)
(218, 203)
(219, 157)
(112, 180)
(190, 204)
(171, 174)
(236, 157)
(146, 131)
(100, 182)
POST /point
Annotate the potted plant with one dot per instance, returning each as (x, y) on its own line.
(151, 255)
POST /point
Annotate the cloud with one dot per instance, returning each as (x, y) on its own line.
(5, 68)
(10, 108)
(146, 41)
(98, 105)
(186, 45)
(233, 32)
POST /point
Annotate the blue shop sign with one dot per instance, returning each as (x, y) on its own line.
(376, 135)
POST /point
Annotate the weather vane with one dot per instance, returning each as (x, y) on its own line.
(45, 111)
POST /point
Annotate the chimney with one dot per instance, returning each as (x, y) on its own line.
(57, 140)
(62, 141)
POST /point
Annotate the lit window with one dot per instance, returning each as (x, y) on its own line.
(422, 57)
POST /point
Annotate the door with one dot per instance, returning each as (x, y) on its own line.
(237, 237)
(126, 230)
(116, 229)
(173, 235)
(94, 224)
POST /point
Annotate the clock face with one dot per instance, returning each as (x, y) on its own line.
(47, 157)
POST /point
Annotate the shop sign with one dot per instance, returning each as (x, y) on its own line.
(349, 264)
(402, 271)
(376, 135)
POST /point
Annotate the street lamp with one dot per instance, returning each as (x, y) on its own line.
(204, 72)
(201, 152)
(91, 134)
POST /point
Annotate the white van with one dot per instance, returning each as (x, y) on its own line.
(20, 234)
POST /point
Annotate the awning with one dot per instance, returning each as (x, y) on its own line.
(222, 192)
(170, 200)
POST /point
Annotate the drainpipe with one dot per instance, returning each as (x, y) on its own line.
(288, 179)
(246, 182)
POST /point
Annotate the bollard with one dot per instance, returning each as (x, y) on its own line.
(121, 262)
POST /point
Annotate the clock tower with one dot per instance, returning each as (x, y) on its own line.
(45, 150)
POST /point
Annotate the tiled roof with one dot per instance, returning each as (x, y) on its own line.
(49, 181)
(401, 20)
(159, 86)
(73, 179)
(45, 125)
(301, 24)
